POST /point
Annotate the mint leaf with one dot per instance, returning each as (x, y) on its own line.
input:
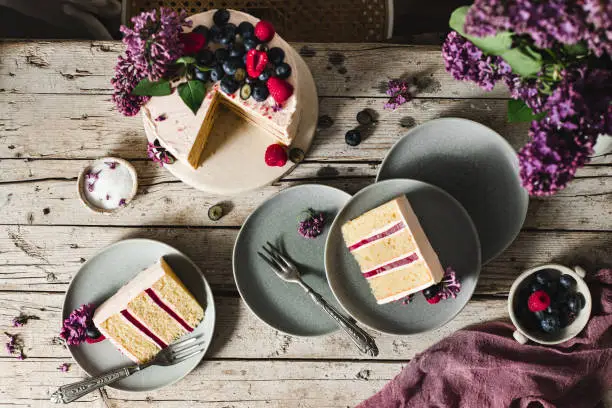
(149, 88)
(192, 93)
(523, 63)
(518, 111)
(493, 44)
(186, 60)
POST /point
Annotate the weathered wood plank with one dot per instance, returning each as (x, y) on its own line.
(239, 334)
(338, 69)
(45, 258)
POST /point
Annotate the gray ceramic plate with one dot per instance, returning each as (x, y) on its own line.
(475, 165)
(452, 235)
(282, 305)
(101, 276)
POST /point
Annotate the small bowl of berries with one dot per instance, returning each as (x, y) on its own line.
(549, 304)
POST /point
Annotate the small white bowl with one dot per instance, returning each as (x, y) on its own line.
(523, 335)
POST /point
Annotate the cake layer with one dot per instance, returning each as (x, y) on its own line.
(401, 282)
(158, 321)
(371, 223)
(375, 253)
(127, 338)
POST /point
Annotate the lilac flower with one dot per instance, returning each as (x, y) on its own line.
(14, 346)
(91, 178)
(399, 92)
(466, 62)
(154, 40)
(312, 226)
(159, 154)
(127, 76)
(526, 90)
(74, 329)
(22, 319)
(112, 165)
(122, 202)
(599, 16)
(64, 367)
(161, 117)
(450, 284)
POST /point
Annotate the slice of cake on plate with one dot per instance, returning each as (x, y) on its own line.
(393, 251)
(148, 313)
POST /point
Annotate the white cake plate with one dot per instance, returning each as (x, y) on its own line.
(237, 164)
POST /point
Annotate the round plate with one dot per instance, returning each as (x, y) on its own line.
(283, 305)
(238, 163)
(475, 165)
(101, 276)
(452, 235)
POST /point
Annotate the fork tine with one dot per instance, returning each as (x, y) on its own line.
(189, 351)
(269, 261)
(279, 260)
(189, 347)
(279, 254)
(183, 358)
(184, 342)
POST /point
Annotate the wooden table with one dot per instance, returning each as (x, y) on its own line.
(56, 114)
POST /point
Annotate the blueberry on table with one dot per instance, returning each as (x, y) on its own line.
(260, 92)
(283, 71)
(221, 17)
(352, 137)
(276, 55)
(567, 281)
(229, 85)
(246, 30)
(205, 57)
(543, 277)
(250, 43)
(217, 73)
(201, 75)
(364, 117)
(550, 324)
(245, 92)
(221, 55)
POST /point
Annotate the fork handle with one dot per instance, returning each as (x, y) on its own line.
(70, 392)
(360, 337)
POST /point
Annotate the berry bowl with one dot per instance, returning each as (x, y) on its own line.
(549, 304)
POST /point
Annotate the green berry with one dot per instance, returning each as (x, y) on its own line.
(296, 155)
(215, 212)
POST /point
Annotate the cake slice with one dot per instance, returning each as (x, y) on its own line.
(148, 313)
(393, 251)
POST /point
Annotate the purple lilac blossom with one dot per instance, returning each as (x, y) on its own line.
(91, 178)
(399, 92)
(22, 319)
(64, 367)
(159, 154)
(74, 329)
(450, 284)
(127, 76)
(466, 62)
(122, 202)
(526, 90)
(312, 226)
(14, 346)
(161, 117)
(112, 165)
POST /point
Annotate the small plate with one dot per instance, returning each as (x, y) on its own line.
(452, 235)
(475, 165)
(283, 305)
(101, 276)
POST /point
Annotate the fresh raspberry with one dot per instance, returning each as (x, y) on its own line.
(538, 301)
(256, 62)
(192, 42)
(434, 299)
(89, 340)
(276, 156)
(264, 31)
(280, 89)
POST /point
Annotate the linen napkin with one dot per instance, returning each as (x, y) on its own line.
(483, 366)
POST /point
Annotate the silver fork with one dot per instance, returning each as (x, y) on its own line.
(174, 354)
(287, 271)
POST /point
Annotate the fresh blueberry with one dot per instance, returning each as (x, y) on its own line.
(201, 75)
(263, 47)
(249, 43)
(237, 50)
(550, 324)
(217, 73)
(352, 137)
(221, 55)
(228, 34)
(276, 55)
(543, 277)
(246, 30)
(567, 281)
(221, 17)
(575, 302)
(430, 291)
(265, 75)
(283, 70)
(364, 117)
(260, 92)
(201, 29)
(215, 34)
(205, 57)
(230, 66)
(229, 85)
(92, 332)
(552, 288)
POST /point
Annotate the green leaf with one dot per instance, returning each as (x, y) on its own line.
(192, 93)
(149, 88)
(577, 49)
(186, 60)
(203, 69)
(494, 44)
(522, 63)
(518, 111)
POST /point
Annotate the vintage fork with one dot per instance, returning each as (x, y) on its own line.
(174, 354)
(287, 271)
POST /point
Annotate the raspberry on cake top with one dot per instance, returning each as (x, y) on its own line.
(246, 67)
(392, 251)
(148, 313)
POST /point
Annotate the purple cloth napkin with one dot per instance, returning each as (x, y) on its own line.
(483, 366)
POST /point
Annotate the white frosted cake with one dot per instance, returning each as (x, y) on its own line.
(393, 251)
(183, 133)
(148, 313)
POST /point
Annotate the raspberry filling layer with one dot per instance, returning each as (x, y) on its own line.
(125, 313)
(392, 230)
(391, 265)
(168, 310)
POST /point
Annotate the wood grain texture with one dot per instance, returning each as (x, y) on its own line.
(46, 258)
(77, 67)
(239, 334)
